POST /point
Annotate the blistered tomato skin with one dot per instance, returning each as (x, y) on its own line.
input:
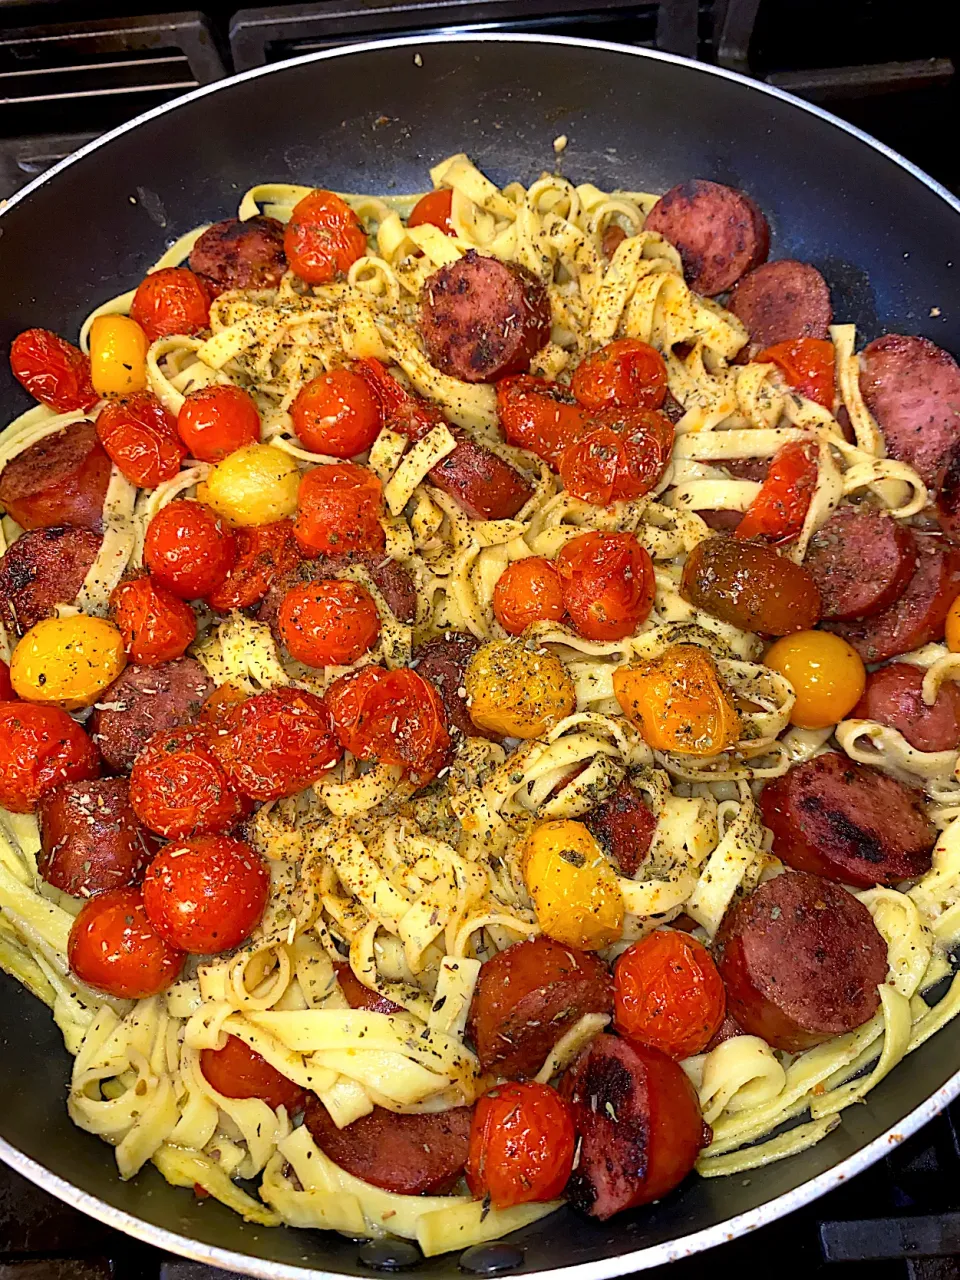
(338, 511)
(140, 437)
(178, 787)
(517, 692)
(237, 1071)
(118, 356)
(188, 549)
(53, 371)
(608, 584)
(538, 416)
(575, 890)
(113, 947)
(751, 587)
(434, 208)
(173, 300)
(323, 237)
(156, 625)
(336, 414)
(528, 591)
(522, 1142)
(678, 702)
(807, 364)
(625, 374)
(621, 454)
(215, 420)
(395, 717)
(668, 994)
(328, 623)
(778, 512)
(265, 553)
(277, 743)
(40, 747)
(827, 674)
(255, 484)
(67, 661)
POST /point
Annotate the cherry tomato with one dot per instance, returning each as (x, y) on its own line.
(156, 625)
(625, 374)
(114, 947)
(40, 747)
(6, 688)
(219, 704)
(396, 717)
(53, 371)
(277, 743)
(178, 787)
(621, 454)
(141, 438)
(952, 635)
(328, 623)
(189, 549)
(827, 674)
(206, 895)
(237, 1071)
(216, 420)
(173, 300)
(522, 1142)
(750, 586)
(265, 552)
(608, 584)
(667, 993)
(678, 702)
(400, 410)
(777, 513)
(528, 591)
(323, 237)
(434, 208)
(538, 416)
(807, 364)
(338, 511)
(336, 414)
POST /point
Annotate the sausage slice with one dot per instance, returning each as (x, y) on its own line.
(861, 560)
(948, 494)
(624, 825)
(719, 231)
(444, 662)
(360, 997)
(90, 838)
(240, 255)
(62, 479)
(782, 300)
(893, 697)
(141, 702)
(43, 568)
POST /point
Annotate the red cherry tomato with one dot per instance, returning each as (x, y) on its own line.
(522, 1142)
(6, 688)
(328, 623)
(277, 743)
(218, 706)
(396, 717)
(207, 894)
(777, 513)
(217, 420)
(114, 947)
(40, 747)
(173, 300)
(625, 374)
(528, 591)
(53, 371)
(237, 1071)
(141, 438)
(323, 237)
(538, 416)
(434, 208)
(338, 511)
(667, 993)
(608, 584)
(336, 414)
(807, 364)
(156, 625)
(265, 552)
(178, 787)
(189, 549)
(400, 410)
(621, 454)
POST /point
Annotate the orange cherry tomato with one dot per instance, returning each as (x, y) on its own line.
(522, 1141)
(140, 436)
(40, 747)
(621, 454)
(218, 705)
(338, 511)
(237, 1071)
(173, 300)
(434, 208)
(608, 584)
(328, 623)
(265, 552)
(189, 549)
(114, 947)
(178, 787)
(538, 415)
(625, 374)
(323, 237)
(6, 688)
(156, 625)
(206, 895)
(396, 717)
(53, 371)
(277, 743)
(217, 420)
(777, 513)
(668, 993)
(528, 591)
(807, 364)
(678, 702)
(336, 414)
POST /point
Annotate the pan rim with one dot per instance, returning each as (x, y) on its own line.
(650, 1255)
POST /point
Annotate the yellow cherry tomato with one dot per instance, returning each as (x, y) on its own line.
(68, 661)
(679, 702)
(574, 888)
(517, 692)
(953, 627)
(827, 675)
(255, 484)
(118, 356)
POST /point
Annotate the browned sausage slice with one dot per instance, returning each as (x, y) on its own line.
(141, 702)
(43, 568)
(482, 319)
(240, 255)
(485, 486)
(893, 697)
(782, 300)
(360, 997)
(948, 494)
(527, 996)
(413, 1155)
(613, 237)
(90, 839)
(861, 560)
(848, 821)
(62, 479)
(912, 388)
(801, 960)
(748, 468)
(720, 233)
(443, 662)
(624, 825)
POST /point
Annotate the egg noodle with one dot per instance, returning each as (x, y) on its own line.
(418, 888)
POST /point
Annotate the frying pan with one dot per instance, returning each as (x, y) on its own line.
(372, 118)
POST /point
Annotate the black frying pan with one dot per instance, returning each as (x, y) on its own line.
(371, 118)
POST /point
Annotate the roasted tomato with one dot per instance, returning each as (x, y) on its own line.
(522, 1142)
(396, 717)
(40, 747)
(668, 994)
(237, 1071)
(574, 887)
(625, 374)
(516, 692)
(189, 549)
(434, 208)
(339, 511)
(218, 706)
(156, 625)
(751, 587)
(265, 552)
(807, 364)
(678, 702)
(323, 237)
(178, 786)
(336, 414)
(277, 743)
(528, 591)
(173, 300)
(620, 454)
(777, 513)
(114, 947)
(141, 438)
(538, 415)
(328, 623)
(67, 661)
(608, 584)
(216, 420)
(53, 371)
(827, 674)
